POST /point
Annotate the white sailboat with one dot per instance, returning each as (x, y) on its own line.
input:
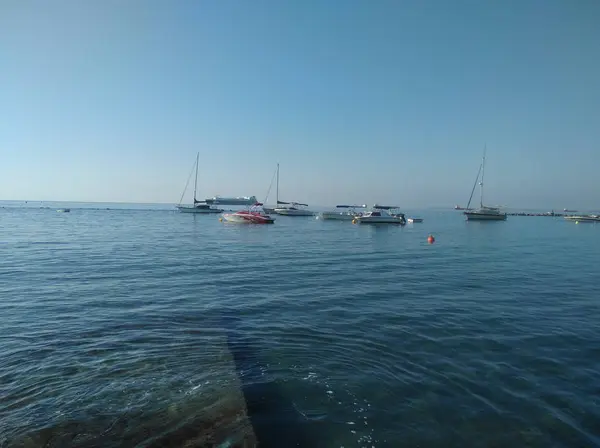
(198, 206)
(287, 208)
(271, 209)
(483, 213)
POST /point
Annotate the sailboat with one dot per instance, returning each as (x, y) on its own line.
(272, 208)
(483, 213)
(287, 208)
(290, 208)
(198, 206)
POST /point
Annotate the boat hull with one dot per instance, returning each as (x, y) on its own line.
(475, 216)
(289, 212)
(337, 216)
(247, 218)
(201, 211)
(379, 220)
(583, 218)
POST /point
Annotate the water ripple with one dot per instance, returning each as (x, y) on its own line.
(148, 328)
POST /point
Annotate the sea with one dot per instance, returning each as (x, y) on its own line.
(137, 326)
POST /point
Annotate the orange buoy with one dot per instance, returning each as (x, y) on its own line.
(430, 239)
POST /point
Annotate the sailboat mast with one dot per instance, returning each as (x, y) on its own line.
(482, 175)
(277, 190)
(196, 181)
(473, 189)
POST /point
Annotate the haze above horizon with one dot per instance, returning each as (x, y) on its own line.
(359, 102)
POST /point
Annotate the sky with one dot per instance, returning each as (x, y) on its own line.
(358, 101)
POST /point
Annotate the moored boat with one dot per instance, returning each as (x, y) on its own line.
(348, 215)
(197, 206)
(286, 208)
(413, 220)
(583, 218)
(483, 213)
(381, 214)
(292, 209)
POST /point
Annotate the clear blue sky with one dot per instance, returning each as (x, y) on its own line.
(359, 101)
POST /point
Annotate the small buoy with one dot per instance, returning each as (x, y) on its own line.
(354, 221)
(576, 222)
(430, 239)
(220, 219)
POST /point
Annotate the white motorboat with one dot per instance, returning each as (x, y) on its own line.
(381, 214)
(63, 210)
(483, 213)
(197, 206)
(348, 215)
(414, 220)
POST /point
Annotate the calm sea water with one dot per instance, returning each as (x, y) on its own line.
(134, 327)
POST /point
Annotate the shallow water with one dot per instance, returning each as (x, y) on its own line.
(142, 327)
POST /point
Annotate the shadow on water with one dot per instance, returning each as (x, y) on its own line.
(274, 418)
(270, 418)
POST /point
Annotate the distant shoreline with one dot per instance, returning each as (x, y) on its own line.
(13, 203)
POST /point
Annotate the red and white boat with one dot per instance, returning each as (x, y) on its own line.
(254, 215)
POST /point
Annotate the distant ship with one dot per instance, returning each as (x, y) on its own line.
(243, 200)
(569, 211)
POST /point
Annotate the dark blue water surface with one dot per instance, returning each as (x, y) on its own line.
(133, 327)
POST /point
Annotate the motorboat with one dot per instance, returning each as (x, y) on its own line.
(254, 215)
(483, 213)
(197, 206)
(381, 214)
(414, 220)
(240, 200)
(292, 209)
(583, 218)
(63, 210)
(348, 214)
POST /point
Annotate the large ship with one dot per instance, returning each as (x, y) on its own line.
(241, 200)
